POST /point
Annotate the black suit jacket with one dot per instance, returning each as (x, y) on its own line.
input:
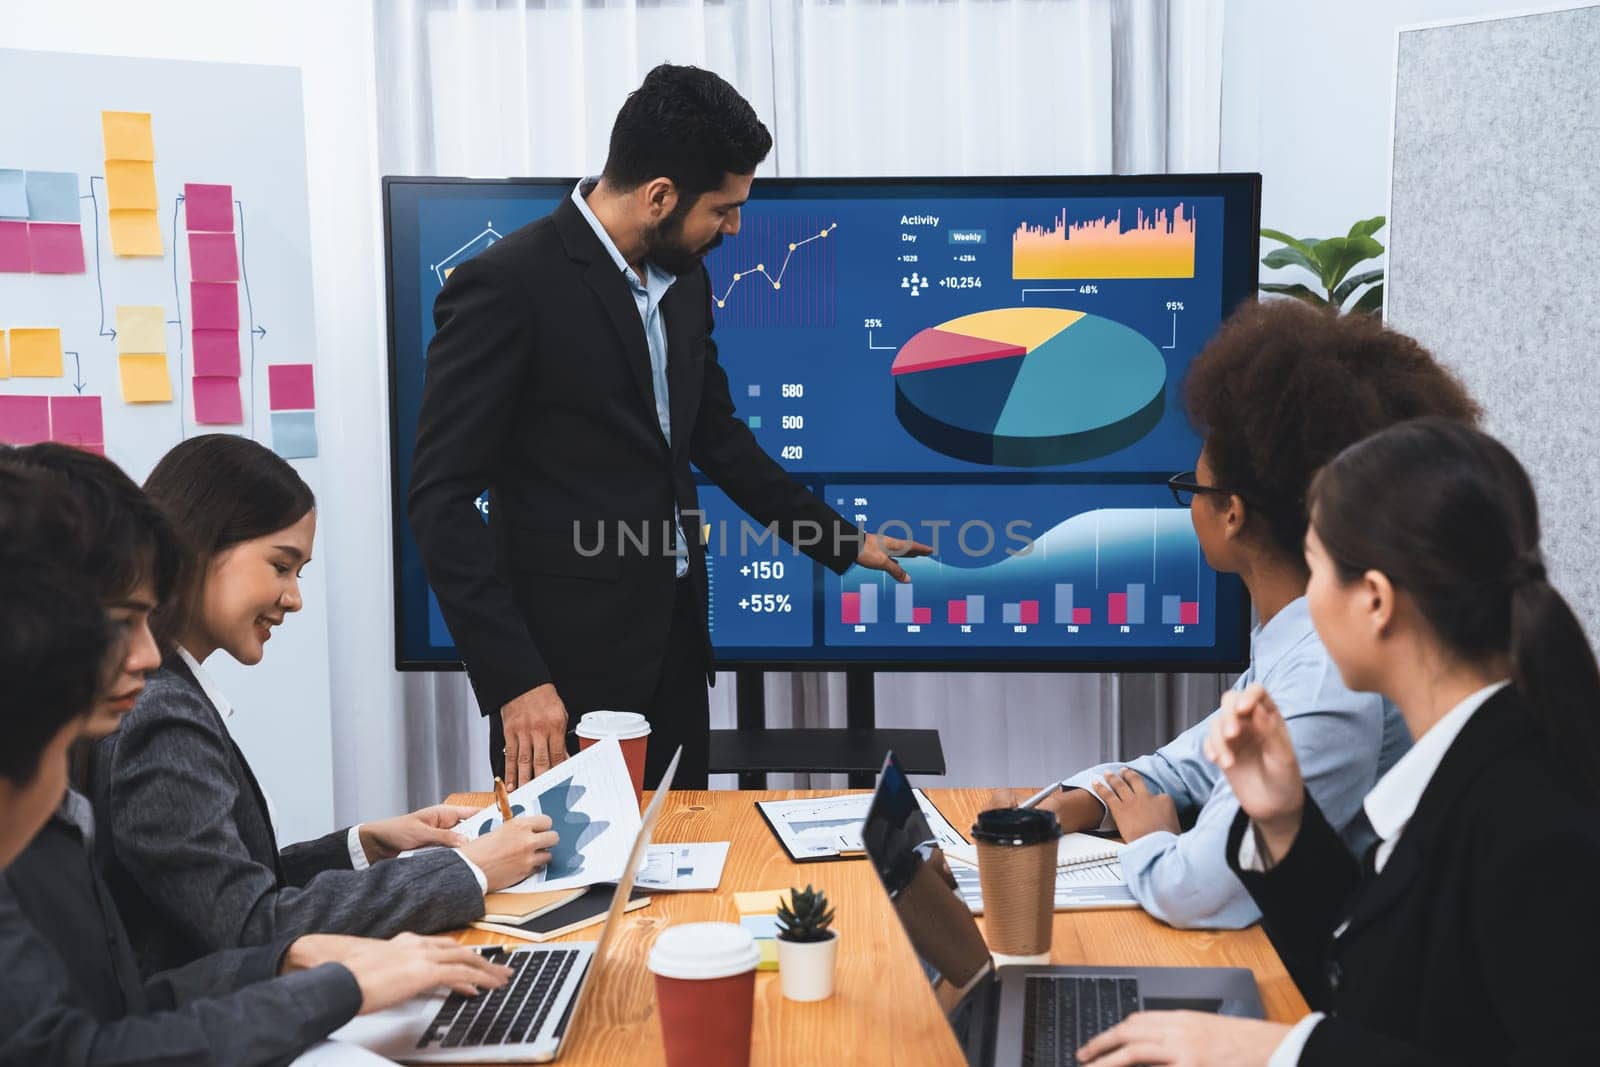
(538, 388)
(71, 993)
(1478, 941)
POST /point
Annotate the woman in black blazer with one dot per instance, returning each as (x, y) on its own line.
(1469, 933)
(187, 836)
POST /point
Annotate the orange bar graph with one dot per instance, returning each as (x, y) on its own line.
(1157, 244)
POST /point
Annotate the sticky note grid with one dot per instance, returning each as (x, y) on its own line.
(131, 196)
(142, 354)
(291, 390)
(41, 229)
(70, 420)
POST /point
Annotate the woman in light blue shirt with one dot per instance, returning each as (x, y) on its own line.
(1279, 391)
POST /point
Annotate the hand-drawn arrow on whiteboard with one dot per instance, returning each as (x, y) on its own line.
(100, 289)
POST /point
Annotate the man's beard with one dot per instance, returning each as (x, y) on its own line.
(664, 244)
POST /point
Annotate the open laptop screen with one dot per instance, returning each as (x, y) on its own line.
(904, 852)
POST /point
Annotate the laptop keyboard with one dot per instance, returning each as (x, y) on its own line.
(1060, 1013)
(510, 1015)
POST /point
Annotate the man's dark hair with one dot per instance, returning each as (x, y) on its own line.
(53, 632)
(219, 490)
(1284, 387)
(125, 537)
(688, 125)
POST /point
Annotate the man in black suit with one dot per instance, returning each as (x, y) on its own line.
(574, 376)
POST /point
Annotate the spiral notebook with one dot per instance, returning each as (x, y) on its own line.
(1088, 875)
(1072, 850)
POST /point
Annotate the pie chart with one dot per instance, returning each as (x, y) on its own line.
(1029, 387)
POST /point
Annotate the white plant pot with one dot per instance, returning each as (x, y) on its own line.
(806, 967)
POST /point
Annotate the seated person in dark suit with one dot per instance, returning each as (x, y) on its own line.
(187, 836)
(70, 990)
(1466, 934)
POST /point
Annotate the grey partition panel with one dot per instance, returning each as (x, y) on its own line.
(1494, 259)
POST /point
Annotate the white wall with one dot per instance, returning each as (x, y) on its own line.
(1306, 96)
(331, 41)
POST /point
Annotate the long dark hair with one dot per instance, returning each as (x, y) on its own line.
(1449, 515)
(220, 490)
(54, 637)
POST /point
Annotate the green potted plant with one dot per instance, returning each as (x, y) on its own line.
(807, 946)
(1330, 261)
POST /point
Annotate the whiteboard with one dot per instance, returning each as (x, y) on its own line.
(1496, 174)
(233, 125)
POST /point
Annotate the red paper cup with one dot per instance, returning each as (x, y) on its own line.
(705, 993)
(632, 732)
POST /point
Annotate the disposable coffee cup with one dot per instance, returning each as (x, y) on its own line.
(632, 732)
(1017, 870)
(705, 993)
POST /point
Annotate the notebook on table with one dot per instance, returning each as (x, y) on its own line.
(585, 908)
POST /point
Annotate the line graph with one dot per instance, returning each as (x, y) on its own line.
(798, 292)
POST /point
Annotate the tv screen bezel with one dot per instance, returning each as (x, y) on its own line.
(1239, 278)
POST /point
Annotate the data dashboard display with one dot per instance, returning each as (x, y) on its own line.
(991, 366)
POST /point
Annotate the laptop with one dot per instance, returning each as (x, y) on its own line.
(525, 1020)
(1036, 1016)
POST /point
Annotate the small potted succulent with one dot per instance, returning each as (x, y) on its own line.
(807, 946)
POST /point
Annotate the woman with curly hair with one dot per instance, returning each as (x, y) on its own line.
(1279, 391)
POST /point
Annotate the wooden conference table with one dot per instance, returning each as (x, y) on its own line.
(882, 1010)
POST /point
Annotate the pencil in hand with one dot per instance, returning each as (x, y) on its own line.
(501, 799)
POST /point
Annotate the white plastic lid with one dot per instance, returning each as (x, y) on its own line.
(623, 725)
(704, 950)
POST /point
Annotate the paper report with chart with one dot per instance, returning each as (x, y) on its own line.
(591, 805)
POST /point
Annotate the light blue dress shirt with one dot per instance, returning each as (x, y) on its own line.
(1345, 742)
(647, 294)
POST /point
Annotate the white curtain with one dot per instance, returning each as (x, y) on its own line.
(494, 88)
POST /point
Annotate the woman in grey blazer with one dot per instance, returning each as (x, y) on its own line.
(84, 556)
(188, 841)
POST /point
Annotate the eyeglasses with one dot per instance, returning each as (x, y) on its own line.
(1184, 487)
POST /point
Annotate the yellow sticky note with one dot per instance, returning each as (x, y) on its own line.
(130, 185)
(36, 353)
(144, 379)
(141, 328)
(760, 901)
(127, 135)
(135, 233)
(5, 364)
(769, 954)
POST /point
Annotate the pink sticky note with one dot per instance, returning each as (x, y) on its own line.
(57, 247)
(214, 305)
(208, 208)
(24, 420)
(216, 353)
(15, 258)
(76, 420)
(212, 257)
(216, 401)
(290, 387)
